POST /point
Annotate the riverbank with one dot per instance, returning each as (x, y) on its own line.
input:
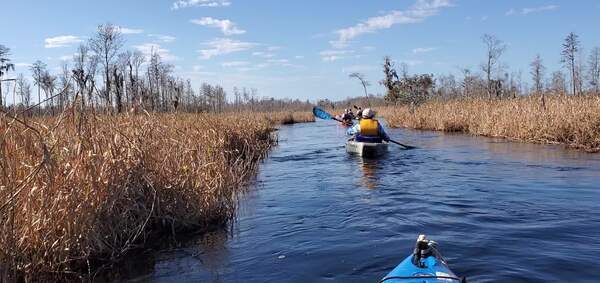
(570, 120)
(81, 190)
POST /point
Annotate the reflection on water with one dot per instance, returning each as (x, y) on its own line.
(320, 215)
(369, 169)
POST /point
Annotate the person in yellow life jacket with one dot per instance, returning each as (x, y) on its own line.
(368, 129)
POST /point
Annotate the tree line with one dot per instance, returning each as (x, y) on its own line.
(581, 75)
(103, 77)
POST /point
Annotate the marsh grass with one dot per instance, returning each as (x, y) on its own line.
(81, 190)
(568, 120)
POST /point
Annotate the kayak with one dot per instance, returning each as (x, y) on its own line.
(366, 149)
(346, 124)
(425, 265)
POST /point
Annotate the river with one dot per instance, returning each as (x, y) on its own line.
(500, 211)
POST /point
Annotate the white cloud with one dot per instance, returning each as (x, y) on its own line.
(278, 61)
(163, 38)
(334, 55)
(199, 3)
(27, 65)
(299, 57)
(125, 30)
(227, 27)
(423, 50)
(274, 48)
(148, 48)
(61, 41)
(221, 46)
(418, 12)
(527, 11)
(235, 63)
(263, 54)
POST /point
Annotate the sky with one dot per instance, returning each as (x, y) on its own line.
(302, 48)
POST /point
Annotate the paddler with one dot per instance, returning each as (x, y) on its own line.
(368, 129)
(347, 117)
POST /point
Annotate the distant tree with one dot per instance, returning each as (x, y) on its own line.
(494, 49)
(5, 67)
(24, 90)
(558, 84)
(106, 44)
(537, 73)
(569, 57)
(390, 77)
(38, 69)
(363, 82)
(65, 85)
(594, 70)
(48, 85)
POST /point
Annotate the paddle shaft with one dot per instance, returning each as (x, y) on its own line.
(403, 145)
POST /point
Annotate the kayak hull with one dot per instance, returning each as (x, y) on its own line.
(436, 271)
(425, 265)
(366, 149)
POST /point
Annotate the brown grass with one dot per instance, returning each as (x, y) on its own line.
(573, 121)
(78, 190)
(288, 118)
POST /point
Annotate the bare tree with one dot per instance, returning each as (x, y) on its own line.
(5, 67)
(106, 44)
(537, 73)
(495, 49)
(48, 85)
(558, 83)
(594, 70)
(38, 69)
(363, 81)
(24, 90)
(569, 56)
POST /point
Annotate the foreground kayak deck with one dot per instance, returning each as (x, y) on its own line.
(366, 149)
(425, 265)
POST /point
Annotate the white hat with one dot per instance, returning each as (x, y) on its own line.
(368, 113)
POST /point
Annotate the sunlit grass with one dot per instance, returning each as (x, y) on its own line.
(79, 189)
(573, 121)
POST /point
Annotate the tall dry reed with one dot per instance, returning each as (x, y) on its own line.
(79, 190)
(573, 121)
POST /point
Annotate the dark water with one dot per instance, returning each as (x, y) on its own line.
(501, 211)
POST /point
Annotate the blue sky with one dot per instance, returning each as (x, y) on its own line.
(303, 49)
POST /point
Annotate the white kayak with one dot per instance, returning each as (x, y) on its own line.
(366, 149)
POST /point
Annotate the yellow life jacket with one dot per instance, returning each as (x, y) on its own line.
(368, 127)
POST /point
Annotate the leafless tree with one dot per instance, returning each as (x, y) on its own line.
(106, 44)
(24, 90)
(38, 69)
(569, 57)
(5, 67)
(594, 70)
(65, 85)
(363, 81)
(537, 73)
(48, 85)
(494, 49)
(558, 83)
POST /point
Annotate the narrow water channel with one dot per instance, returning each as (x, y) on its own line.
(501, 211)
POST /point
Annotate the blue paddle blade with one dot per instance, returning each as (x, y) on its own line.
(320, 113)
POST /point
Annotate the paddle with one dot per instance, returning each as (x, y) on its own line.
(320, 113)
(403, 145)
